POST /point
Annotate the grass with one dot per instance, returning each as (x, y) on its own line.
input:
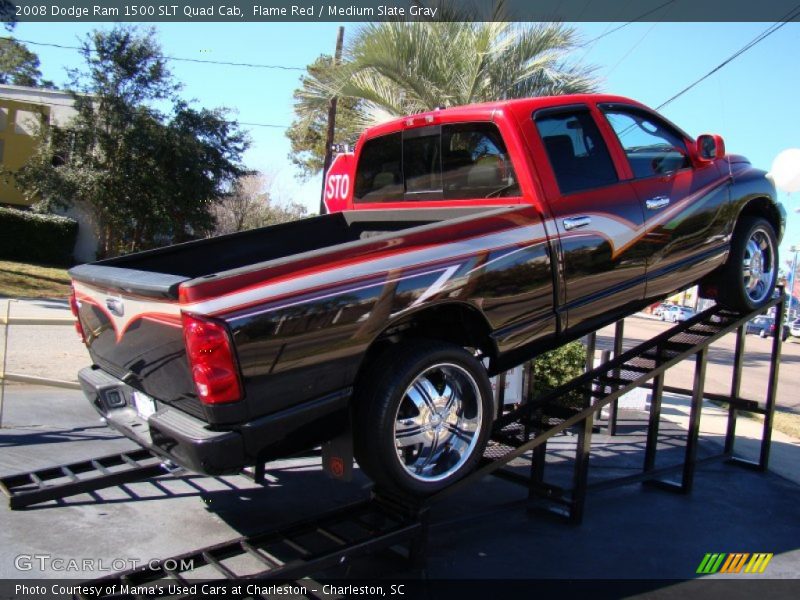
(783, 421)
(24, 280)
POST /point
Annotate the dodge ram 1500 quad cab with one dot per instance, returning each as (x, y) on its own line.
(472, 239)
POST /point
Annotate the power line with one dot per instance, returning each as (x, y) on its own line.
(794, 13)
(173, 58)
(269, 125)
(639, 18)
(262, 125)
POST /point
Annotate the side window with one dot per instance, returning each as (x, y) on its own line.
(448, 162)
(652, 147)
(379, 175)
(577, 152)
(475, 163)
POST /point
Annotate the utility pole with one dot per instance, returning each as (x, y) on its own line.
(337, 57)
(795, 249)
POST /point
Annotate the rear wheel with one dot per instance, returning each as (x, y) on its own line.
(422, 417)
(749, 276)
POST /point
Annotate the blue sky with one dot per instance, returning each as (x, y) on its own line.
(751, 102)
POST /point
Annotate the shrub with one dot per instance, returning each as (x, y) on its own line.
(557, 367)
(39, 238)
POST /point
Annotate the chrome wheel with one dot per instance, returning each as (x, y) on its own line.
(758, 266)
(438, 421)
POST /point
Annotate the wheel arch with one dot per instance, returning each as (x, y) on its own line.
(456, 322)
(763, 206)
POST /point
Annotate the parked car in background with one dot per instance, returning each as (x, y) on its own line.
(673, 314)
(659, 310)
(764, 326)
(794, 328)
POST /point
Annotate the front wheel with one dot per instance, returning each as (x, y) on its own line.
(751, 271)
(762, 334)
(423, 417)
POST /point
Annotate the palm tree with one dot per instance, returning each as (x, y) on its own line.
(396, 68)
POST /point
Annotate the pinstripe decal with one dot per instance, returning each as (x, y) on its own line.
(135, 308)
(449, 253)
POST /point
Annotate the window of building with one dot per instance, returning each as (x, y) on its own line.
(3, 118)
(27, 122)
(576, 150)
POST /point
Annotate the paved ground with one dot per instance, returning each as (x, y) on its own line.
(49, 351)
(631, 532)
(718, 372)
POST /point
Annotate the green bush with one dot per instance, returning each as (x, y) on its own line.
(557, 367)
(38, 238)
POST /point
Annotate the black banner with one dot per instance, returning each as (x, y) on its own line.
(735, 588)
(381, 10)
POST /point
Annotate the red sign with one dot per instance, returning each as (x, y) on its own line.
(337, 466)
(339, 182)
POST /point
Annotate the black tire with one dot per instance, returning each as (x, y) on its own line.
(762, 334)
(386, 399)
(732, 276)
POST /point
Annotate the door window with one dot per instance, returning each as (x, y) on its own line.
(652, 147)
(576, 150)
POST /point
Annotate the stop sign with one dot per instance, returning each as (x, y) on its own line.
(339, 182)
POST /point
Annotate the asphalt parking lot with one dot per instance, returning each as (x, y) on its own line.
(632, 532)
(720, 361)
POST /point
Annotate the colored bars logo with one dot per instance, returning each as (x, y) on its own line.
(733, 562)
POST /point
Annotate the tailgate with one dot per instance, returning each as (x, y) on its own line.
(136, 334)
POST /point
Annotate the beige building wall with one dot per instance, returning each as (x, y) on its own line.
(23, 111)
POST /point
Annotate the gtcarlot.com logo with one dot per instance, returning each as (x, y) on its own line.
(734, 562)
(48, 562)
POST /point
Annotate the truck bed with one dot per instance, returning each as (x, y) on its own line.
(158, 273)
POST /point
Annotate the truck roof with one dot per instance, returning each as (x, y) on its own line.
(485, 111)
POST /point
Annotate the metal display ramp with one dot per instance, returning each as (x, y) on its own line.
(520, 434)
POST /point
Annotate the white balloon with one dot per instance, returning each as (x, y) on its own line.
(785, 170)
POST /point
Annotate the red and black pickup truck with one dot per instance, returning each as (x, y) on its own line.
(472, 239)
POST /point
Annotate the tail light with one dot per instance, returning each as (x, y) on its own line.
(73, 306)
(211, 360)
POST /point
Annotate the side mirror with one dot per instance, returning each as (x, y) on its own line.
(710, 147)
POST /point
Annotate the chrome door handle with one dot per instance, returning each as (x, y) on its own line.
(575, 222)
(657, 202)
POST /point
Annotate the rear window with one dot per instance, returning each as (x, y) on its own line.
(448, 162)
(379, 175)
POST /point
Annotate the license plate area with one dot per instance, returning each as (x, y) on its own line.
(143, 404)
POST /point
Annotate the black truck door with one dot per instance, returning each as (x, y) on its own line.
(596, 214)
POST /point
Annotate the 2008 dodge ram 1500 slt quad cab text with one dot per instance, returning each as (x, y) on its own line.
(472, 239)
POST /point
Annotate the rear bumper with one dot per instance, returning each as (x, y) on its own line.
(189, 442)
(168, 432)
